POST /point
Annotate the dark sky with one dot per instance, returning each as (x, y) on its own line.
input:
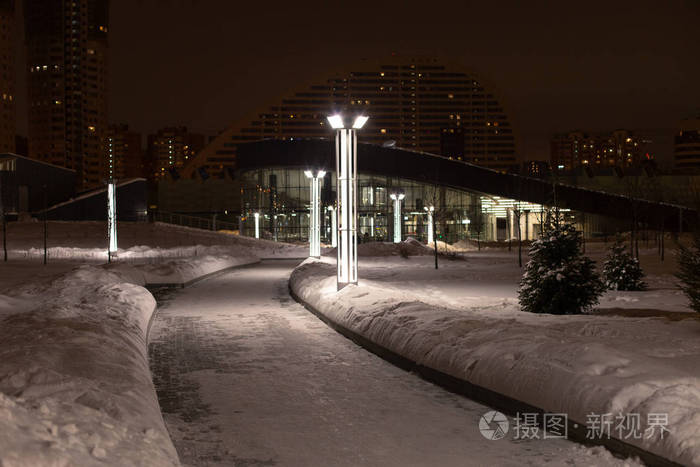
(559, 65)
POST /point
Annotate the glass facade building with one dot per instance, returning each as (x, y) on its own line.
(281, 196)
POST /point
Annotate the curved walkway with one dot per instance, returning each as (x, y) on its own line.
(246, 376)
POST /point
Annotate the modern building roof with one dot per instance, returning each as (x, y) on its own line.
(429, 168)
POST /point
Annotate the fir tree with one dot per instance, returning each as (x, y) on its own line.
(621, 271)
(558, 279)
(689, 274)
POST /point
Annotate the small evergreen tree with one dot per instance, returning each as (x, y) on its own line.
(558, 279)
(621, 271)
(689, 274)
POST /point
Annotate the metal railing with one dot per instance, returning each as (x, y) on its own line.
(194, 222)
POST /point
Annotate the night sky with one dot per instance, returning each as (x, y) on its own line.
(557, 65)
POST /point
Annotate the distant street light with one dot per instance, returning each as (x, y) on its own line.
(346, 187)
(334, 227)
(397, 197)
(257, 224)
(430, 210)
(315, 218)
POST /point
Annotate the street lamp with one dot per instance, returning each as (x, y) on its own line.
(257, 224)
(111, 219)
(397, 197)
(346, 187)
(430, 210)
(334, 228)
(315, 219)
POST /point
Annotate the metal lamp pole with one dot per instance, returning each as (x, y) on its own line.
(430, 210)
(111, 219)
(334, 227)
(346, 188)
(397, 197)
(315, 218)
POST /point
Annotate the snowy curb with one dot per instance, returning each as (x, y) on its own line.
(313, 285)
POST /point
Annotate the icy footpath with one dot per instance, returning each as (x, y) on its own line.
(585, 366)
(75, 385)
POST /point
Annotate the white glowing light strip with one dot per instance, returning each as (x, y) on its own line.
(500, 206)
(112, 216)
(397, 218)
(314, 221)
(257, 225)
(360, 122)
(346, 172)
(336, 122)
(334, 227)
(430, 225)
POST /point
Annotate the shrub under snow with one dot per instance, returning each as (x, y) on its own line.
(558, 279)
(689, 274)
(621, 271)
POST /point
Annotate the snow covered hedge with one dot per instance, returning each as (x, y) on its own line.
(576, 364)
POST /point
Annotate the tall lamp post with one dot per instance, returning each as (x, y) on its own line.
(397, 197)
(346, 188)
(315, 218)
(430, 211)
(334, 227)
(257, 224)
(111, 218)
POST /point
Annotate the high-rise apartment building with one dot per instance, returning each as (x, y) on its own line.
(123, 152)
(619, 148)
(171, 148)
(686, 145)
(7, 76)
(419, 104)
(67, 45)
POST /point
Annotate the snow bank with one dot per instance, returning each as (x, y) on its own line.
(578, 365)
(410, 247)
(75, 385)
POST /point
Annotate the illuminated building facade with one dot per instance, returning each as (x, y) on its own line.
(686, 147)
(67, 48)
(620, 148)
(7, 77)
(421, 105)
(169, 149)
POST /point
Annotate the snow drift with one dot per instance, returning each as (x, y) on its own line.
(75, 385)
(572, 364)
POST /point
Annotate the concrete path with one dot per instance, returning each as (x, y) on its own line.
(248, 377)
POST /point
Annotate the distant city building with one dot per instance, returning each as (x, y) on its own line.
(171, 148)
(620, 148)
(418, 104)
(7, 77)
(536, 168)
(686, 147)
(124, 153)
(67, 47)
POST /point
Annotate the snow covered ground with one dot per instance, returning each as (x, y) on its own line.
(638, 353)
(246, 376)
(75, 386)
